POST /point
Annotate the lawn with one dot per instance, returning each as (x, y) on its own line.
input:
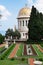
(41, 45)
(2, 48)
(19, 53)
(20, 50)
(13, 62)
(39, 53)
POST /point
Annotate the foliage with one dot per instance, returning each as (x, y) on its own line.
(14, 34)
(17, 34)
(1, 38)
(20, 50)
(2, 48)
(41, 45)
(7, 52)
(12, 59)
(14, 62)
(9, 32)
(23, 59)
(39, 53)
(35, 25)
(40, 59)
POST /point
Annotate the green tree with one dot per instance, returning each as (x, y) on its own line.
(41, 17)
(35, 25)
(1, 38)
(12, 33)
(17, 34)
(9, 32)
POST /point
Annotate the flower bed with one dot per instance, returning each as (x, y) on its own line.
(34, 53)
(29, 50)
(41, 46)
(2, 50)
(20, 50)
(25, 50)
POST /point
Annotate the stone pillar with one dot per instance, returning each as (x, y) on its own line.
(14, 41)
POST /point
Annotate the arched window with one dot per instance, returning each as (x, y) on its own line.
(26, 22)
(23, 22)
(20, 23)
(23, 34)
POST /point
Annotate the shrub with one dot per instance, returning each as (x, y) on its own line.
(40, 59)
(2, 58)
(1, 38)
(23, 59)
(12, 59)
(6, 53)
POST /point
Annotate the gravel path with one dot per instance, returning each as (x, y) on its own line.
(31, 60)
(40, 48)
(13, 53)
(2, 45)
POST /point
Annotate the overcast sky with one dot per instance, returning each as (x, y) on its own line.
(10, 9)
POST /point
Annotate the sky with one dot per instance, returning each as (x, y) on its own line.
(10, 9)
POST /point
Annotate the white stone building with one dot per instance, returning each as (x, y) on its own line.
(23, 20)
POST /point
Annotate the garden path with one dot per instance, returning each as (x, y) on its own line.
(13, 53)
(2, 45)
(31, 60)
(40, 48)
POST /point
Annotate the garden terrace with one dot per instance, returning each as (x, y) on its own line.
(13, 53)
(39, 53)
(7, 52)
(14, 62)
(19, 57)
(2, 45)
(20, 50)
(40, 48)
(41, 45)
(29, 50)
(2, 49)
(34, 53)
(25, 50)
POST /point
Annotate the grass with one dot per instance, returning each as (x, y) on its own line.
(41, 45)
(7, 52)
(19, 54)
(2, 48)
(14, 62)
(20, 50)
(39, 53)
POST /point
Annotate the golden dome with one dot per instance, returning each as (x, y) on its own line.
(24, 12)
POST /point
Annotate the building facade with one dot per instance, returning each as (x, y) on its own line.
(23, 20)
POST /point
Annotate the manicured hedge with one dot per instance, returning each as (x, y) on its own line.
(39, 53)
(41, 45)
(20, 50)
(7, 52)
(2, 48)
(14, 62)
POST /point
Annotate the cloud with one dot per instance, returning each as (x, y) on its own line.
(30, 3)
(4, 12)
(37, 3)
